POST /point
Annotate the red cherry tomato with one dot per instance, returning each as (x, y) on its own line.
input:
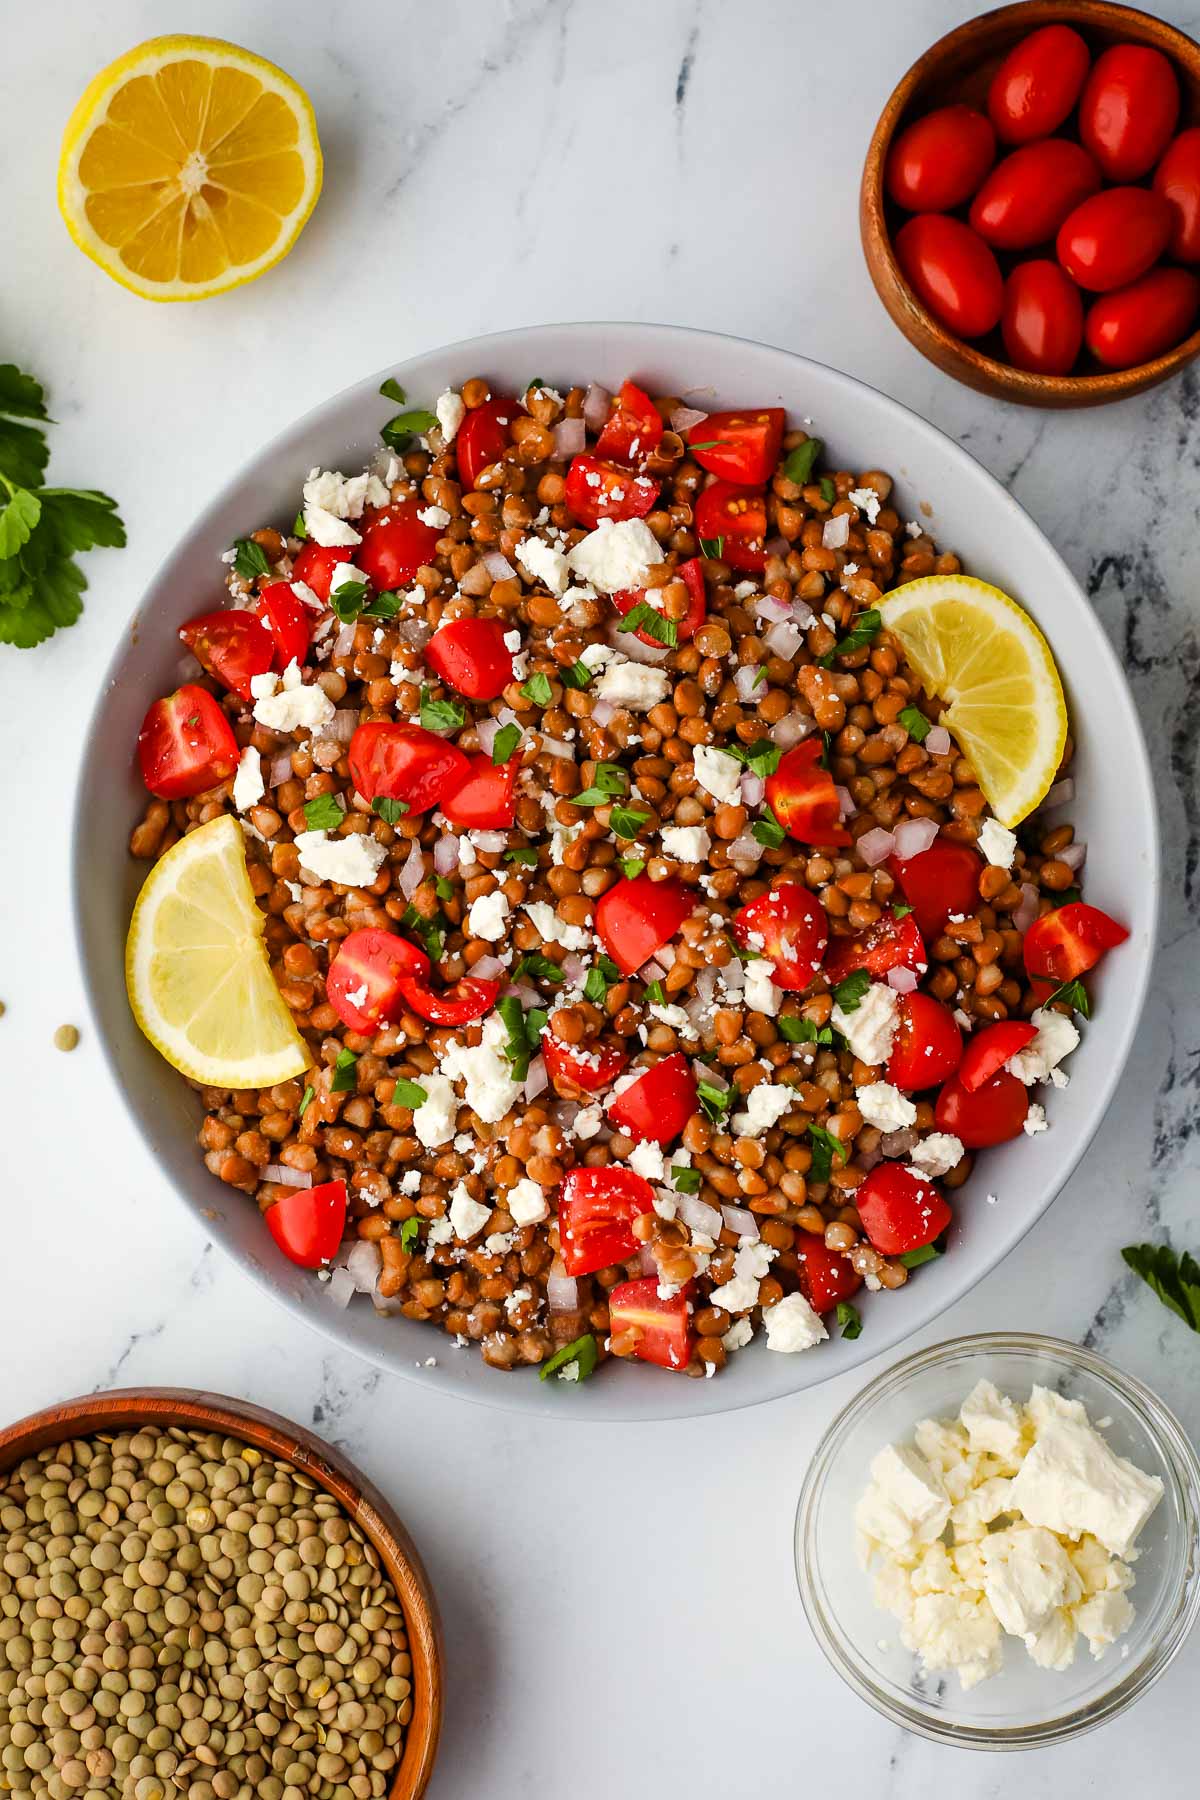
(638, 916)
(186, 745)
(405, 762)
(596, 1208)
(992, 1114)
(900, 1211)
(289, 622)
(1177, 179)
(937, 162)
(230, 646)
(803, 797)
(1069, 942)
(737, 516)
(952, 272)
(989, 1050)
(633, 429)
(487, 798)
(1129, 110)
(1042, 322)
(657, 1105)
(467, 1000)
(890, 943)
(308, 1223)
(1026, 197)
(1139, 322)
(363, 982)
(483, 437)
(315, 565)
(663, 1327)
(1114, 237)
(826, 1276)
(598, 490)
(1038, 83)
(927, 1048)
(691, 574)
(396, 542)
(589, 1066)
(470, 656)
(942, 880)
(791, 927)
(742, 447)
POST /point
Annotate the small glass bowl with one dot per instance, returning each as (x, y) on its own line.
(1023, 1707)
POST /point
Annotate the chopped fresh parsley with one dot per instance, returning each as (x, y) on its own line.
(1173, 1277)
(430, 931)
(521, 853)
(579, 1358)
(685, 1180)
(542, 968)
(825, 1146)
(768, 830)
(305, 1102)
(250, 559)
(345, 1077)
(408, 1234)
(864, 631)
(849, 993)
(384, 606)
(709, 443)
(1075, 995)
(323, 813)
(848, 1319)
(712, 548)
(577, 676)
(645, 618)
(912, 1259)
(409, 1093)
(600, 978)
(715, 1101)
(826, 748)
(347, 600)
(608, 780)
(760, 675)
(632, 866)
(391, 390)
(803, 1031)
(626, 822)
(441, 715)
(524, 1033)
(761, 757)
(828, 491)
(504, 743)
(389, 810)
(655, 993)
(1067, 897)
(299, 528)
(538, 689)
(399, 432)
(901, 911)
(803, 460)
(443, 888)
(915, 723)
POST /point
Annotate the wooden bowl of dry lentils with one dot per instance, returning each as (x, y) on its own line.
(200, 1598)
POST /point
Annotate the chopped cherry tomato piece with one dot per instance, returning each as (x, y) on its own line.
(989, 1051)
(363, 982)
(471, 657)
(663, 1327)
(468, 999)
(952, 272)
(937, 162)
(791, 927)
(1027, 196)
(405, 762)
(186, 745)
(315, 565)
(738, 517)
(992, 1114)
(1177, 179)
(231, 646)
(638, 916)
(1129, 110)
(289, 622)
(927, 1048)
(487, 798)
(1114, 237)
(900, 1211)
(1068, 942)
(803, 797)
(1139, 322)
(483, 437)
(942, 880)
(691, 574)
(1042, 322)
(890, 943)
(742, 447)
(308, 1223)
(659, 1102)
(395, 543)
(598, 490)
(826, 1276)
(632, 429)
(1038, 83)
(596, 1208)
(587, 1066)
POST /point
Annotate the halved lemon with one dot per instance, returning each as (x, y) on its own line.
(196, 967)
(976, 648)
(188, 167)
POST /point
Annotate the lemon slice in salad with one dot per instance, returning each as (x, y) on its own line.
(977, 649)
(196, 967)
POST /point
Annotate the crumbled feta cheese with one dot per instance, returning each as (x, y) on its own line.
(440, 1232)
(686, 843)
(263, 686)
(1035, 1121)
(738, 1335)
(938, 1153)
(765, 1105)
(1072, 1482)
(750, 1264)
(594, 656)
(997, 844)
(871, 1027)
(588, 1121)
(450, 413)
(248, 787)
(646, 1159)
(992, 1422)
(553, 930)
(488, 916)
(352, 861)
(1056, 1038)
(675, 1017)
(718, 773)
(914, 528)
(330, 498)
(467, 1216)
(638, 686)
(761, 994)
(793, 1325)
(295, 706)
(345, 575)
(484, 1068)
(526, 1202)
(410, 1182)
(541, 562)
(617, 555)
(867, 500)
(326, 529)
(885, 1106)
(435, 516)
(434, 1120)
(307, 597)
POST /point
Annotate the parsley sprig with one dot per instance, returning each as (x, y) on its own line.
(1174, 1278)
(524, 1033)
(849, 993)
(646, 618)
(864, 631)
(1073, 994)
(825, 1147)
(441, 715)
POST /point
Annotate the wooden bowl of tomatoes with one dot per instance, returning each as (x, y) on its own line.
(1030, 203)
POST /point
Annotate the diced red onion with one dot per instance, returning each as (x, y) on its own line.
(497, 565)
(899, 1143)
(413, 872)
(573, 967)
(684, 418)
(537, 1080)
(489, 968)
(803, 614)
(776, 546)
(570, 437)
(343, 724)
(652, 971)
(753, 788)
(866, 1159)
(596, 405)
(340, 1287)
(526, 995)
(784, 640)
(487, 731)
(364, 1262)
(938, 741)
(602, 712)
(343, 643)
(490, 842)
(558, 747)
(562, 1293)
(913, 837)
(740, 1220)
(631, 646)
(415, 632)
(1059, 794)
(1026, 909)
(1075, 855)
(283, 1176)
(791, 728)
(733, 978)
(646, 1260)
(745, 680)
(566, 1112)
(745, 849)
(698, 1215)
(385, 1303)
(846, 806)
(875, 846)
(902, 981)
(279, 770)
(768, 607)
(836, 531)
(445, 854)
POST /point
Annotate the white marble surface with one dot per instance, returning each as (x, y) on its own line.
(620, 1611)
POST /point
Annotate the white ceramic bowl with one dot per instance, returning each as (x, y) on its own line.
(966, 510)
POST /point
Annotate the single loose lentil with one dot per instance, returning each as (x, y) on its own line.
(66, 1037)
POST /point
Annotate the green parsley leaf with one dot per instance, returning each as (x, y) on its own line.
(299, 528)
(323, 813)
(608, 780)
(828, 491)
(1075, 995)
(768, 830)
(715, 1101)
(574, 1362)
(600, 978)
(901, 911)
(23, 451)
(443, 887)
(524, 1033)
(645, 618)
(542, 968)
(848, 1319)
(915, 723)
(399, 432)
(864, 631)
(577, 676)
(21, 397)
(803, 460)
(825, 1146)
(305, 1102)
(441, 715)
(409, 1093)
(685, 1180)
(408, 1234)
(1174, 1278)
(655, 993)
(345, 1078)
(250, 560)
(709, 444)
(430, 931)
(626, 822)
(849, 993)
(826, 748)
(523, 853)
(347, 600)
(761, 757)
(795, 1031)
(18, 518)
(1067, 897)
(712, 548)
(384, 606)
(538, 689)
(632, 866)
(912, 1259)
(391, 390)
(760, 675)
(532, 386)
(387, 809)
(504, 743)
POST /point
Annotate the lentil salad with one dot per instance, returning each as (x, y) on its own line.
(586, 704)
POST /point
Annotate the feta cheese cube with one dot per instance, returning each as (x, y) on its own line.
(450, 412)
(434, 1120)
(488, 916)
(686, 843)
(765, 1106)
(352, 861)
(619, 554)
(467, 1216)
(526, 1202)
(541, 562)
(248, 786)
(793, 1325)
(998, 845)
(718, 773)
(885, 1107)
(871, 1028)
(1056, 1038)
(637, 686)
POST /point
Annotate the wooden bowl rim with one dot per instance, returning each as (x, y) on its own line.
(193, 1409)
(991, 374)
